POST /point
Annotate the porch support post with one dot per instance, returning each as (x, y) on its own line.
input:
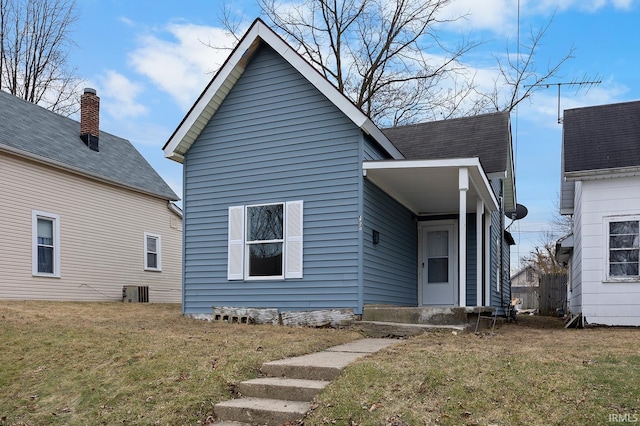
(479, 247)
(463, 186)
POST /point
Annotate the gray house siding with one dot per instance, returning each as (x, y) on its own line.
(390, 272)
(275, 138)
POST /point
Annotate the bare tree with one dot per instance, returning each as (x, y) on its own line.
(543, 255)
(385, 56)
(34, 39)
(519, 76)
(389, 59)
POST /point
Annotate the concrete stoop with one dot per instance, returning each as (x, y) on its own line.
(397, 321)
(395, 329)
(286, 395)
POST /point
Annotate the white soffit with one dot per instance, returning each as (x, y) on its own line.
(430, 186)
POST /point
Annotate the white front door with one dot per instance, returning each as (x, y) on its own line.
(438, 282)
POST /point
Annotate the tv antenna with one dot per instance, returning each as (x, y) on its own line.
(575, 82)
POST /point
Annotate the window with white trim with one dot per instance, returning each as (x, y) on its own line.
(623, 248)
(152, 252)
(45, 251)
(265, 241)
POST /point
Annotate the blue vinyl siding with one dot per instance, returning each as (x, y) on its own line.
(390, 273)
(472, 251)
(372, 151)
(499, 299)
(275, 138)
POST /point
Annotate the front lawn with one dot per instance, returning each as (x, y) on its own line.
(108, 363)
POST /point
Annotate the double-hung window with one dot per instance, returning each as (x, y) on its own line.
(152, 259)
(623, 248)
(45, 254)
(265, 241)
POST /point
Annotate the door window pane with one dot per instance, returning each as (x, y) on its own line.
(438, 256)
(438, 271)
(438, 243)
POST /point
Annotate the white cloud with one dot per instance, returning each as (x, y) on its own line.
(128, 22)
(182, 64)
(499, 16)
(590, 6)
(119, 94)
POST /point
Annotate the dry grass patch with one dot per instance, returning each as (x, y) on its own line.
(534, 372)
(108, 363)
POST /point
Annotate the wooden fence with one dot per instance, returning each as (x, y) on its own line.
(553, 294)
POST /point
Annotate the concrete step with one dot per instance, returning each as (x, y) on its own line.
(262, 411)
(396, 329)
(282, 388)
(317, 366)
(433, 315)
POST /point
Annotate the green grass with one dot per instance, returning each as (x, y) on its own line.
(114, 363)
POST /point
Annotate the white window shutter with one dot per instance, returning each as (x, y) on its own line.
(235, 265)
(293, 243)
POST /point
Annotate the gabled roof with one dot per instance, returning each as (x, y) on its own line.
(486, 137)
(216, 91)
(601, 138)
(31, 131)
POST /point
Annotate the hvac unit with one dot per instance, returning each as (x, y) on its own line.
(135, 294)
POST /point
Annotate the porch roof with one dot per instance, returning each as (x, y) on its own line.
(428, 187)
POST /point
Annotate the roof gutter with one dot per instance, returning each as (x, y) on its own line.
(596, 174)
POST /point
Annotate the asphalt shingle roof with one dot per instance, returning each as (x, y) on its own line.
(35, 132)
(484, 136)
(602, 137)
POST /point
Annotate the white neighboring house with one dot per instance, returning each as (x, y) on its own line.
(83, 214)
(601, 189)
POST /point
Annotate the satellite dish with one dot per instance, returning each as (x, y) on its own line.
(520, 212)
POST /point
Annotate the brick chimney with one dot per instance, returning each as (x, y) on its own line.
(90, 118)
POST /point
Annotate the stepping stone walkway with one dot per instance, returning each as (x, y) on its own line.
(292, 383)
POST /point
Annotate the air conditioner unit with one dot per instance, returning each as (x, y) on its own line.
(135, 294)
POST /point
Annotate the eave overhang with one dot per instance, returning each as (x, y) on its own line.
(431, 187)
(564, 248)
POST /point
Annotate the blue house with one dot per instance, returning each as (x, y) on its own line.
(295, 200)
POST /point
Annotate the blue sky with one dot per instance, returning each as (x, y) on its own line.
(149, 62)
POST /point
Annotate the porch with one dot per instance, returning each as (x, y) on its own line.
(401, 321)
